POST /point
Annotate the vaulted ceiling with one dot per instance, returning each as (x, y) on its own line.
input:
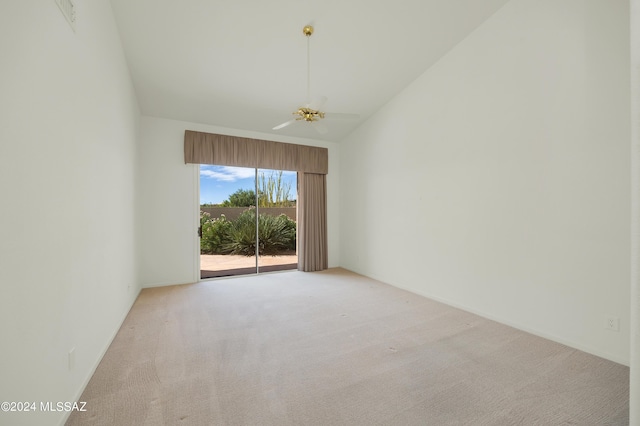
(242, 64)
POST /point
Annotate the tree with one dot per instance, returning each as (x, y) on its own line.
(272, 192)
(241, 198)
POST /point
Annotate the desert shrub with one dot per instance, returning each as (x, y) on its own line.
(276, 234)
(289, 230)
(215, 234)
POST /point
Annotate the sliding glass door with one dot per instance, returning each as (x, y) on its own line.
(277, 209)
(247, 221)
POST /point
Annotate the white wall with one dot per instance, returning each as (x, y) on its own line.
(68, 130)
(499, 180)
(634, 373)
(169, 200)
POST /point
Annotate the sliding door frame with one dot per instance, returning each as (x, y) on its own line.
(196, 223)
(255, 183)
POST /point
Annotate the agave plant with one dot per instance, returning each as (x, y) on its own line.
(276, 234)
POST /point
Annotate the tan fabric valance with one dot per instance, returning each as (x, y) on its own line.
(224, 150)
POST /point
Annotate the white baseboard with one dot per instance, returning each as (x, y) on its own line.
(535, 332)
(165, 284)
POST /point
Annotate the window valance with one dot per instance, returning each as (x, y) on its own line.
(225, 150)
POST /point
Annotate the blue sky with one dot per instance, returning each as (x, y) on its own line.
(218, 182)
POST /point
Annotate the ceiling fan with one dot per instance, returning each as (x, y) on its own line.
(310, 112)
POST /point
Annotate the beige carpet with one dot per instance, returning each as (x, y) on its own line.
(335, 348)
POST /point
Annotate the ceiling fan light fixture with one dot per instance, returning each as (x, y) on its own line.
(308, 114)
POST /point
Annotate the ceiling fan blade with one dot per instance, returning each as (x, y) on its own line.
(318, 103)
(340, 115)
(321, 128)
(285, 124)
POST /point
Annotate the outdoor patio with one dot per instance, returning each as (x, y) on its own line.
(215, 265)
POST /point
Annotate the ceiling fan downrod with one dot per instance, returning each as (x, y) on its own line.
(307, 31)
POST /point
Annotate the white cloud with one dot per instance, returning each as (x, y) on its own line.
(232, 174)
(226, 173)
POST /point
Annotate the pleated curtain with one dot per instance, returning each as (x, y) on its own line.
(312, 222)
(310, 162)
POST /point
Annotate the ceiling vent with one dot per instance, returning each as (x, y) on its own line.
(69, 11)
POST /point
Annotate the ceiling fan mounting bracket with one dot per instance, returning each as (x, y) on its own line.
(307, 30)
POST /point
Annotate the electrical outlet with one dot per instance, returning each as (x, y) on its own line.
(611, 323)
(72, 358)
